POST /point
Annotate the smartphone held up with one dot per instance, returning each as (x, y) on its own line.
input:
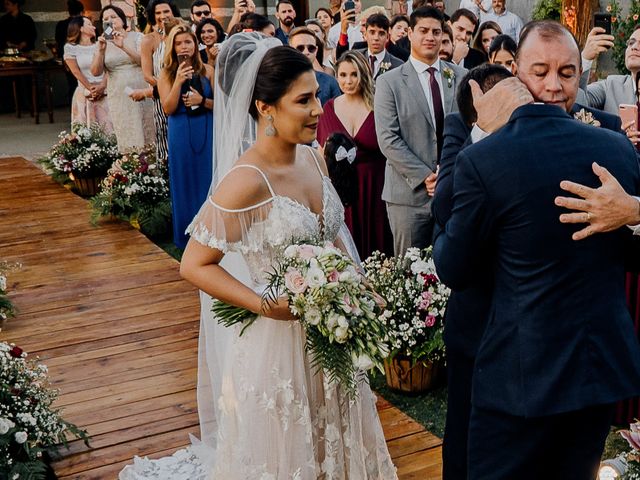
(629, 116)
(107, 28)
(602, 20)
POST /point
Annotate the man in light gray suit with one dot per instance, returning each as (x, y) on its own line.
(410, 105)
(610, 93)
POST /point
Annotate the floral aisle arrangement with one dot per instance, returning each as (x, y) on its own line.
(7, 310)
(136, 190)
(341, 315)
(621, 28)
(29, 425)
(84, 153)
(414, 313)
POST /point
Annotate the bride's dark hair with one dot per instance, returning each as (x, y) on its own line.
(280, 67)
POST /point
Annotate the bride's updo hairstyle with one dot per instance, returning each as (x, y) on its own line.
(280, 67)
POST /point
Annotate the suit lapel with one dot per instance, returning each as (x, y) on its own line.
(447, 101)
(628, 90)
(415, 90)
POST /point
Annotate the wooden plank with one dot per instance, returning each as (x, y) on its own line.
(107, 311)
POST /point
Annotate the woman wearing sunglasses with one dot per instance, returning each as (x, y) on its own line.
(325, 54)
(306, 42)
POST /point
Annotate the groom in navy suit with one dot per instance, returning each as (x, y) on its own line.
(468, 309)
(559, 347)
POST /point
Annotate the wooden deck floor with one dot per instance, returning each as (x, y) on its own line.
(106, 310)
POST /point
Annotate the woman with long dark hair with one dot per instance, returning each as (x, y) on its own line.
(186, 93)
(119, 56)
(265, 412)
(210, 33)
(89, 104)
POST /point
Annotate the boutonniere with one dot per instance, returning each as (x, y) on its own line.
(449, 75)
(586, 117)
(384, 66)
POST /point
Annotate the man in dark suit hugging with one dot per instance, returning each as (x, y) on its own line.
(558, 348)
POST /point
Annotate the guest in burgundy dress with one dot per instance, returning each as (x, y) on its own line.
(352, 114)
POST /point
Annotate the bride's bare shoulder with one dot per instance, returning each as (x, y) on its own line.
(243, 187)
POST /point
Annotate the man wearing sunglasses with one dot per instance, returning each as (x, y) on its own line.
(200, 9)
(306, 42)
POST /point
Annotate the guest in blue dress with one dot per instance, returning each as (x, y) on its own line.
(185, 89)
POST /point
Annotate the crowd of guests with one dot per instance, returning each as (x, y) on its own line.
(146, 86)
(156, 87)
(390, 77)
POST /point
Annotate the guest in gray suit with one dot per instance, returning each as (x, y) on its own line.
(410, 105)
(376, 35)
(610, 93)
(614, 90)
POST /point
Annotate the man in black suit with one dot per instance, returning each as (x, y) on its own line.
(376, 35)
(464, 24)
(548, 367)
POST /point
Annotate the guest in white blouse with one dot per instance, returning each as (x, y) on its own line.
(479, 7)
(510, 23)
(89, 102)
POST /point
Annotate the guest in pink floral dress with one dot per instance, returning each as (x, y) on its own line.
(89, 104)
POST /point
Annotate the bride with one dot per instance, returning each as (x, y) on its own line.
(265, 414)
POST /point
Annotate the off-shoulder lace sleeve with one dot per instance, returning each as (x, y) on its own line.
(231, 230)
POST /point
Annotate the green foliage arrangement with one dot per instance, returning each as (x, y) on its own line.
(547, 9)
(136, 190)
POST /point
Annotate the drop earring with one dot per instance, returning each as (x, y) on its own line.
(270, 131)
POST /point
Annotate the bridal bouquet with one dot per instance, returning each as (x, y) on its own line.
(82, 153)
(338, 310)
(416, 302)
(28, 422)
(136, 190)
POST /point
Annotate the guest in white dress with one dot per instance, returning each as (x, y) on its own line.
(120, 58)
(88, 104)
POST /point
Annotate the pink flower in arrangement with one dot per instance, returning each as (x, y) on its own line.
(294, 281)
(306, 251)
(430, 321)
(635, 17)
(425, 300)
(632, 435)
(334, 276)
(608, 8)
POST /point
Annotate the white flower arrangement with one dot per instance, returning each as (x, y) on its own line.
(449, 75)
(416, 302)
(341, 315)
(7, 310)
(29, 424)
(84, 152)
(136, 189)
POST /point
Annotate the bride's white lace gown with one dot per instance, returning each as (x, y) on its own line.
(272, 417)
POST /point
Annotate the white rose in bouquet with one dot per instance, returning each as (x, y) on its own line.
(363, 362)
(313, 316)
(6, 425)
(20, 437)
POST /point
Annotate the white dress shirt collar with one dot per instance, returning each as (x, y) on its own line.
(422, 67)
